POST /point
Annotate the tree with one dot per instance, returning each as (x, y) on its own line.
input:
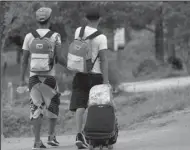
(171, 17)
(159, 35)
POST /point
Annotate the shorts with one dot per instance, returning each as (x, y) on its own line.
(81, 85)
(53, 109)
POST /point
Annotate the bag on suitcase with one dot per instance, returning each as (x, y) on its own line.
(100, 94)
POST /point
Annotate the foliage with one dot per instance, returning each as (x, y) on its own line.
(137, 15)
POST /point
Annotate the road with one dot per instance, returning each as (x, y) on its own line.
(174, 136)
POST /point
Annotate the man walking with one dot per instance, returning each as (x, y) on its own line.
(83, 82)
(43, 46)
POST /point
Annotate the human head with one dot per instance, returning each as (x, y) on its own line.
(43, 15)
(93, 15)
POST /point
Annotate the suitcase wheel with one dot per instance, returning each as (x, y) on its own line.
(91, 147)
(110, 147)
(101, 147)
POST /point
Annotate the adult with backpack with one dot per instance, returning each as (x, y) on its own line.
(87, 56)
(43, 47)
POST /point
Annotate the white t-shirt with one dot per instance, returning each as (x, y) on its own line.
(42, 32)
(98, 43)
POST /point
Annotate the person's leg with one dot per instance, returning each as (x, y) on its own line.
(35, 112)
(78, 105)
(52, 124)
(51, 82)
(36, 121)
(80, 119)
(36, 126)
(80, 138)
(51, 132)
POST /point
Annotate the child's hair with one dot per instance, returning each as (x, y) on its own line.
(92, 14)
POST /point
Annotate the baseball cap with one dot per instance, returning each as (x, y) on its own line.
(92, 13)
(43, 14)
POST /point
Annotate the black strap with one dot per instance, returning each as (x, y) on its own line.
(94, 62)
(35, 34)
(49, 34)
(82, 31)
(93, 35)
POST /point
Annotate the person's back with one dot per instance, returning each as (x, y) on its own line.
(28, 41)
(41, 50)
(84, 81)
(98, 43)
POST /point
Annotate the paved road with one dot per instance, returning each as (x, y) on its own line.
(174, 136)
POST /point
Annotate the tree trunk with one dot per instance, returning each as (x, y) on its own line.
(170, 41)
(127, 33)
(171, 49)
(186, 54)
(159, 37)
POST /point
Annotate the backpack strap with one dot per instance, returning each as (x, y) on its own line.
(48, 34)
(81, 34)
(90, 37)
(93, 35)
(94, 62)
(35, 34)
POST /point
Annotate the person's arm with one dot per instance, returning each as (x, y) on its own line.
(58, 51)
(24, 66)
(104, 65)
(103, 59)
(25, 59)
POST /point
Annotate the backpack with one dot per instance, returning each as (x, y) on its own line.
(79, 57)
(42, 51)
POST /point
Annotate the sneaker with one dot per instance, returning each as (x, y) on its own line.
(39, 146)
(53, 141)
(81, 141)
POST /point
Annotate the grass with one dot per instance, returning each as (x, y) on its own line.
(143, 107)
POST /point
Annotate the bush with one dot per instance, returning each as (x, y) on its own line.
(15, 126)
(176, 63)
(146, 67)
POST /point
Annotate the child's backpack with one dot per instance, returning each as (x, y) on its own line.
(42, 51)
(80, 53)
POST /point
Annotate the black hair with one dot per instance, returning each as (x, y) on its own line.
(92, 14)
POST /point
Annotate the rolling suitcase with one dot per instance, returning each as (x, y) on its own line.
(101, 128)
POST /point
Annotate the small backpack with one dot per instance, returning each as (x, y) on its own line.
(79, 57)
(42, 51)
